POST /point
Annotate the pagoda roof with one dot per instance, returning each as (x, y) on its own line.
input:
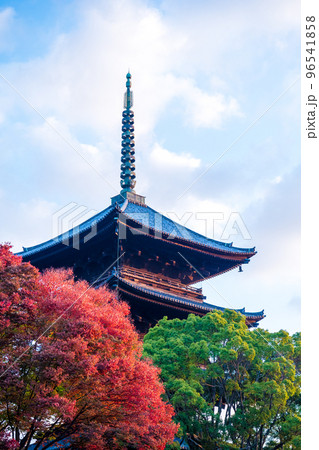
(149, 222)
(180, 302)
(82, 228)
(150, 219)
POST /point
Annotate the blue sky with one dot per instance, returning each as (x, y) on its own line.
(203, 73)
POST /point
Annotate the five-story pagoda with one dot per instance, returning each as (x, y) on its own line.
(149, 259)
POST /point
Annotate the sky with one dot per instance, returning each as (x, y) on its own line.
(217, 126)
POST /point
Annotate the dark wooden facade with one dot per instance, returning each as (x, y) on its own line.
(152, 268)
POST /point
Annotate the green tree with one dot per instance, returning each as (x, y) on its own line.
(231, 388)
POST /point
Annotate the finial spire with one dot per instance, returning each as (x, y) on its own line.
(128, 153)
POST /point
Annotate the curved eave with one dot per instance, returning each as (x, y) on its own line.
(211, 243)
(68, 235)
(213, 248)
(241, 258)
(187, 305)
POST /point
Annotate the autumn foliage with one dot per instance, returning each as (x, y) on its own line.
(71, 366)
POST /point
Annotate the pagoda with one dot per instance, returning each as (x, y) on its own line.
(149, 260)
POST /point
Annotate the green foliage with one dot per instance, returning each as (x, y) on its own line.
(173, 446)
(230, 387)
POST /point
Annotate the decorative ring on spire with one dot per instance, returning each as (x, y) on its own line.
(128, 153)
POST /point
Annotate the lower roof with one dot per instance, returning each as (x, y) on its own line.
(198, 307)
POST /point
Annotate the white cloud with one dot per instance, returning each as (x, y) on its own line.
(6, 20)
(55, 139)
(80, 77)
(229, 34)
(170, 160)
(205, 216)
(206, 110)
(36, 217)
(276, 180)
(275, 224)
(78, 80)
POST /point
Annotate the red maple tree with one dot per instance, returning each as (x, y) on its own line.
(71, 366)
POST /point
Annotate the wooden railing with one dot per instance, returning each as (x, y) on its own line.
(161, 282)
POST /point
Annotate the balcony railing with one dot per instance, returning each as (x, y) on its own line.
(160, 281)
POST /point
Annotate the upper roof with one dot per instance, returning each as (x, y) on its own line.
(83, 227)
(149, 219)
